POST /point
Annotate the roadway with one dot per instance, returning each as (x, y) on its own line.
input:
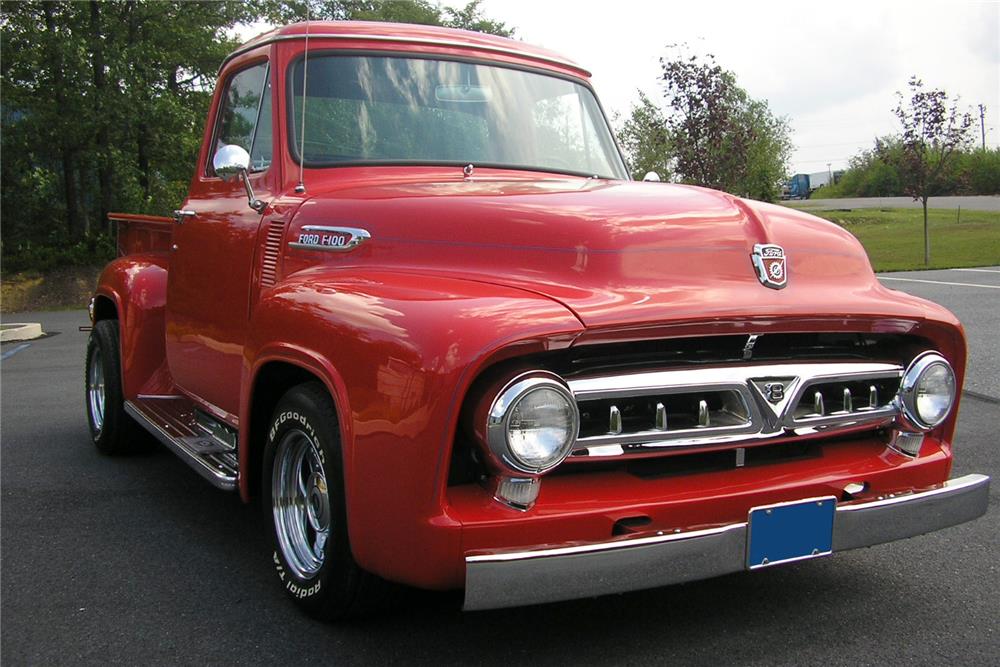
(978, 203)
(136, 560)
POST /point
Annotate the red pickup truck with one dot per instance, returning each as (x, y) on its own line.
(415, 306)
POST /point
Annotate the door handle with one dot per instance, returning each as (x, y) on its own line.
(180, 216)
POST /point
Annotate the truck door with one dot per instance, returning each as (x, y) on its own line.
(208, 284)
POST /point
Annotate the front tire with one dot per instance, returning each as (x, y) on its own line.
(303, 496)
(112, 430)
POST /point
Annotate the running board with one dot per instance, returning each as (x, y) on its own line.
(209, 448)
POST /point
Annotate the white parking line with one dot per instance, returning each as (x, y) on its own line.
(939, 282)
(978, 270)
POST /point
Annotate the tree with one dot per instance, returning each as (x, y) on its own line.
(720, 136)
(767, 154)
(103, 103)
(932, 133)
(423, 12)
(645, 140)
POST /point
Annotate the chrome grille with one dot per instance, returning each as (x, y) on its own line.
(690, 408)
(826, 401)
(272, 248)
(639, 417)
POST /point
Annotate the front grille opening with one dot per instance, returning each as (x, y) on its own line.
(663, 413)
(704, 350)
(821, 399)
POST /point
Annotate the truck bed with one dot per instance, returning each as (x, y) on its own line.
(139, 233)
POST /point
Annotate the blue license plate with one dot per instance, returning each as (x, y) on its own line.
(790, 531)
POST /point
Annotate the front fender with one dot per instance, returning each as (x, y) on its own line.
(397, 352)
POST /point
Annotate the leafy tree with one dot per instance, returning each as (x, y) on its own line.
(869, 174)
(645, 140)
(768, 152)
(980, 171)
(932, 133)
(103, 103)
(720, 136)
(424, 12)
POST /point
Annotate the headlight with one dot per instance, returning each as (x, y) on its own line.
(533, 423)
(927, 393)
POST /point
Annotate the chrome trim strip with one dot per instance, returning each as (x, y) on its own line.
(181, 449)
(513, 578)
(424, 41)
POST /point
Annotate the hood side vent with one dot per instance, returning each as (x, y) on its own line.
(272, 248)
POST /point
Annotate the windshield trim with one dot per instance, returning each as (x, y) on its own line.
(293, 149)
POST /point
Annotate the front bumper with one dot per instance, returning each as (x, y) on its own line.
(507, 579)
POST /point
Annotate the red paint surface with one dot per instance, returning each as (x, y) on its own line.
(459, 274)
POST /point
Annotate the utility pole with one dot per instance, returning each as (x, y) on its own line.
(982, 123)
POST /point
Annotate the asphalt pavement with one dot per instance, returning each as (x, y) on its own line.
(974, 296)
(975, 203)
(136, 560)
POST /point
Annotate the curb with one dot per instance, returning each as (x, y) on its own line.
(21, 331)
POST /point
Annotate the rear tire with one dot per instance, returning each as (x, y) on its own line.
(112, 430)
(303, 497)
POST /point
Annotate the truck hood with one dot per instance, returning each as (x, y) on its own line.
(616, 254)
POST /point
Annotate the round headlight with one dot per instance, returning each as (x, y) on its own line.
(533, 424)
(928, 391)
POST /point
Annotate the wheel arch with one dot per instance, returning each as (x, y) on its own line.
(278, 369)
(105, 307)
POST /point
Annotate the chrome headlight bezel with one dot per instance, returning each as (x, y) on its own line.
(908, 394)
(502, 408)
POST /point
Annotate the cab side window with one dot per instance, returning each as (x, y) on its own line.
(245, 116)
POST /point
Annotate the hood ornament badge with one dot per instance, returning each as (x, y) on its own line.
(769, 260)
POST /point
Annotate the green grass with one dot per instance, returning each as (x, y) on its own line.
(894, 238)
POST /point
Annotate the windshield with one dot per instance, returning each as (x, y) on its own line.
(394, 110)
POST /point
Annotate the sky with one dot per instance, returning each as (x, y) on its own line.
(833, 68)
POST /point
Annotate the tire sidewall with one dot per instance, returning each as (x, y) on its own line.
(104, 337)
(303, 409)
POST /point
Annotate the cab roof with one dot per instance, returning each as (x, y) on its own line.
(408, 33)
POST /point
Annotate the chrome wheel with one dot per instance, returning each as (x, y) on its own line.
(95, 389)
(301, 503)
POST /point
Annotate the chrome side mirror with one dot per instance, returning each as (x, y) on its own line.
(231, 161)
(652, 177)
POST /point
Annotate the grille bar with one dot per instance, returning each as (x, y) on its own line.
(709, 406)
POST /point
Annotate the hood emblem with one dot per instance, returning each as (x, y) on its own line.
(769, 260)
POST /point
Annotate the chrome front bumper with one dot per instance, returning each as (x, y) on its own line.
(519, 578)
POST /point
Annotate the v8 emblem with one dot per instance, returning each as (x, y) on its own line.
(774, 391)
